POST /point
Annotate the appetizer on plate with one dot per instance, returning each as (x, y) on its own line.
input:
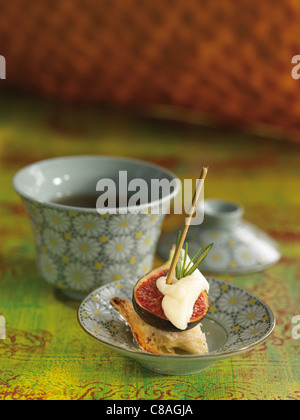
(165, 318)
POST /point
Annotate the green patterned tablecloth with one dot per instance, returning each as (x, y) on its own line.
(46, 355)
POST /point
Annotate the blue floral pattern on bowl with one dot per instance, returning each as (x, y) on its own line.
(78, 251)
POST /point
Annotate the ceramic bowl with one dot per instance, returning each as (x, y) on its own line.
(77, 248)
(239, 247)
(236, 323)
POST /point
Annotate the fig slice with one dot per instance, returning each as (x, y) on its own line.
(147, 302)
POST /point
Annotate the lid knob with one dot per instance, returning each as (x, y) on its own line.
(221, 213)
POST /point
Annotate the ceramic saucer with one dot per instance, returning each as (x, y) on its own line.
(236, 323)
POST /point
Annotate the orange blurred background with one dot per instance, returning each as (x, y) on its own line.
(214, 62)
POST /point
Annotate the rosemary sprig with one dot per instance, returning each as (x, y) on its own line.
(184, 260)
(178, 267)
(198, 261)
(183, 270)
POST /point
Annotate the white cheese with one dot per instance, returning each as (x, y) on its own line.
(180, 297)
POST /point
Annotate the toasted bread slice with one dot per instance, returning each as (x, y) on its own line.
(154, 340)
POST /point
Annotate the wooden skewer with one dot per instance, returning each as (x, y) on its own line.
(187, 225)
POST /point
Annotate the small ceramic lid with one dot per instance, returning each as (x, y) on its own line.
(239, 247)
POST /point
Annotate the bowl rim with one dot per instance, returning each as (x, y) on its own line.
(139, 353)
(142, 207)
